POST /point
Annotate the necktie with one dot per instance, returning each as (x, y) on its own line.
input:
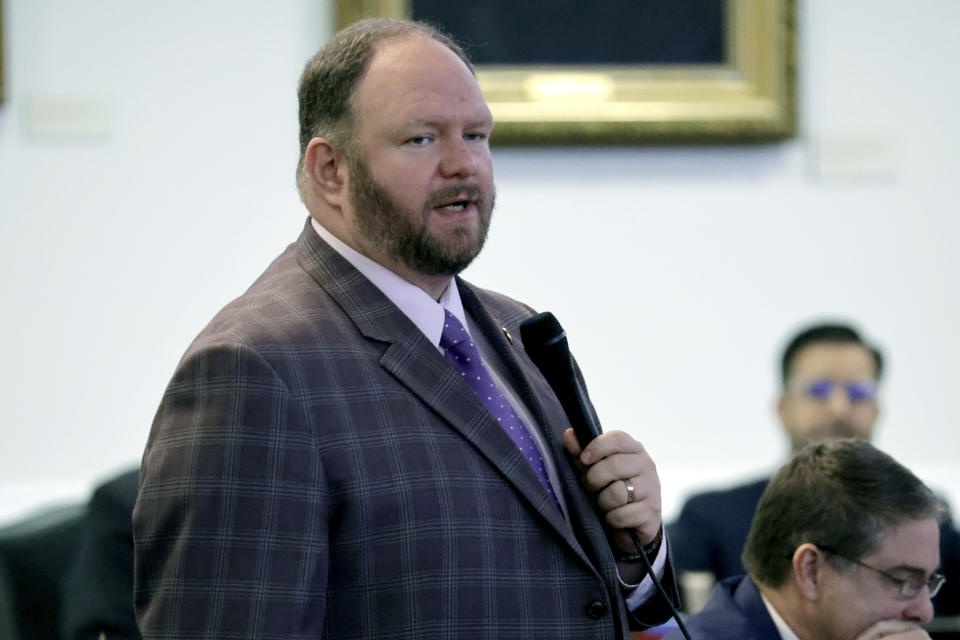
(463, 354)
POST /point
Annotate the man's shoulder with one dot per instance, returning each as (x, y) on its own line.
(285, 308)
(495, 301)
(730, 500)
(119, 492)
(734, 611)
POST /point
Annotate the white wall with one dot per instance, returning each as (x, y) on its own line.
(677, 272)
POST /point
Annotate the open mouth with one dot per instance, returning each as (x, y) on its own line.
(458, 199)
(455, 205)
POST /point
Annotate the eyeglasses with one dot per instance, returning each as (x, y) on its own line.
(907, 588)
(860, 391)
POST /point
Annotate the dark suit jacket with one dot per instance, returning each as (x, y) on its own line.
(735, 611)
(317, 469)
(9, 627)
(711, 531)
(712, 528)
(98, 589)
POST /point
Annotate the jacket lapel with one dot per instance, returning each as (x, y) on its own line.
(536, 393)
(420, 366)
(747, 597)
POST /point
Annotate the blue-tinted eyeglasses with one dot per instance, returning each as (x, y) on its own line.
(860, 391)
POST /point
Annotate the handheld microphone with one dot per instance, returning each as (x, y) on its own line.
(546, 343)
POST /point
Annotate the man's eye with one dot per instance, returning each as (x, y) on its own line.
(418, 140)
(915, 581)
(474, 137)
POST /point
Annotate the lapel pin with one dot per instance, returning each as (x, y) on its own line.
(507, 333)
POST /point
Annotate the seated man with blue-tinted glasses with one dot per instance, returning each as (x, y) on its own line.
(830, 376)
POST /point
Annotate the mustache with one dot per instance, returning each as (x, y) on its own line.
(465, 190)
(842, 429)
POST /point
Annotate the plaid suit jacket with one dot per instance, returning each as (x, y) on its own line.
(317, 469)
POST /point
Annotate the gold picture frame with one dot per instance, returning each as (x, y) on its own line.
(748, 98)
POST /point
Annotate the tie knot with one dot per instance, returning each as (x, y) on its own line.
(453, 332)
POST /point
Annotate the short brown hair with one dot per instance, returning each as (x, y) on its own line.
(826, 333)
(330, 77)
(843, 494)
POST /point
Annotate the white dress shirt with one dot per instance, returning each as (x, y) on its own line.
(786, 633)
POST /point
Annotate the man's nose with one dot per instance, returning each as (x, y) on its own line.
(920, 609)
(458, 160)
(838, 402)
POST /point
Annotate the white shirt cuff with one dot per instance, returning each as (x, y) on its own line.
(640, 593)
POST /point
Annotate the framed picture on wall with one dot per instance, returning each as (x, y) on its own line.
(621, 71)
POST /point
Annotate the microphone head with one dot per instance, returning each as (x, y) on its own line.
(545, 340)
(546, 343)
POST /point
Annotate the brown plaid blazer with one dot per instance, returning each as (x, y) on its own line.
(316, 469)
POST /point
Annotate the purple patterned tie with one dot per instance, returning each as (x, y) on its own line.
(465, 358)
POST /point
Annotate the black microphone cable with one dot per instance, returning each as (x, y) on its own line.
(545, 342)
(648, 566)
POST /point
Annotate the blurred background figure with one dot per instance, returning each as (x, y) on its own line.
(98, 590)
(35, 553)
(830, 378)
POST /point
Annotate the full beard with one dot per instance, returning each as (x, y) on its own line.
(405, 237)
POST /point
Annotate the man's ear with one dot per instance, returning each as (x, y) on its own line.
(326, 170)
(809, 564)
(781, 405)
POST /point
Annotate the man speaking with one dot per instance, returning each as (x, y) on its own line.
(358, 446)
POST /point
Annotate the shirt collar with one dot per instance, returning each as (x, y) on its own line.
(786, 633)
(425, 312)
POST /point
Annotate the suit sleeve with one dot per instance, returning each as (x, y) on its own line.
(647, 606)
(654, 609)
(230, 525)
